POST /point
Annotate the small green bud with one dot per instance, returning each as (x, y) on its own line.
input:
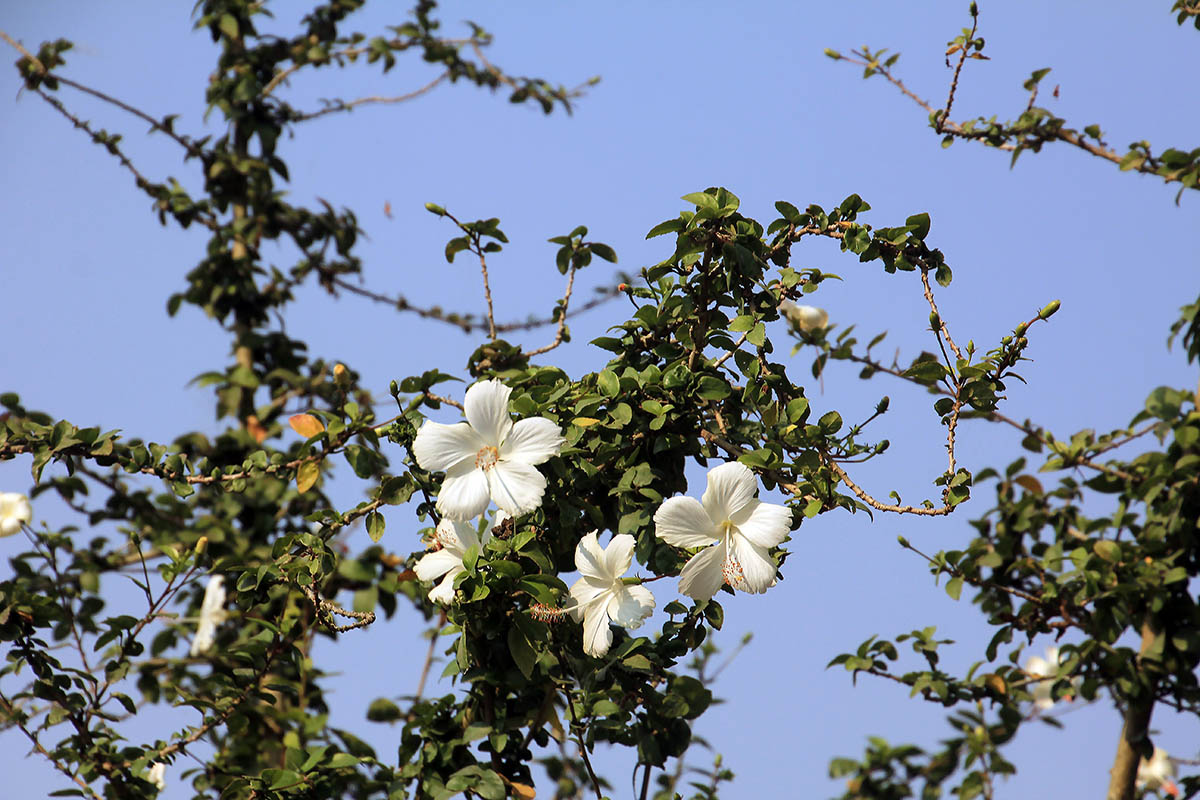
(834, 54)
(1020, 331)
(434, 208)
(903, 542)
(394, 388)
(1048, 311)
(935, 321)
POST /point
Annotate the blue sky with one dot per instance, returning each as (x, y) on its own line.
(693, 95)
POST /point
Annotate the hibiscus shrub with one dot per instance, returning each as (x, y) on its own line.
(548, 474)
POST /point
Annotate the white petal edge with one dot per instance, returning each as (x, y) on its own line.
(516, 487)
(590, 560)
(683, 522)
(630, 606)
(439, 447)
(758, 568)
(766, 524)
(730, 486)
(486, 409)
(701, 576)
(532, 441)
(464, 492)
(583, 595)
(432, 566)
(597, 636)
(618, 556)
(444, 592)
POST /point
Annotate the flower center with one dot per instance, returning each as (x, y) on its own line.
(732, 572)
(486, 458)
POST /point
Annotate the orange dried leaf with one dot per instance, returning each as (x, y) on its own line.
(306, 476)
(522, 790)
(256, 429)
(306, 425)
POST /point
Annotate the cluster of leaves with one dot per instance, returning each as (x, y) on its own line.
(691, 379)
(1118, 584)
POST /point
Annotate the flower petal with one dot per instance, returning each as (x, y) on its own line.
(730, 486)
(464, 492)
(439, 447)
(701, 576)
(584, 594)
(764, 524)
(14, 510)
(436, 564)
(214, 596)
(486, 408)
(444, 592)
(619, 555)
(590, 560)
(532, 441)
(516, 487)
(757, 567)
(205, 637)
(630, 605)
(597, 636)
(683, 522)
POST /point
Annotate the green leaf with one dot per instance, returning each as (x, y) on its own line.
(375, 525)
(670, 226)
(605, 252)
(608, 382)
(1036, 78)
(1108, 550)
(522, 651)
(383, 710)
(954, 587)
(712, 388)
(702, 199)
(919, 224)
(742, 323)
(758, 335)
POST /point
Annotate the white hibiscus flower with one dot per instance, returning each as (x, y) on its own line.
(806, 318)
(453, 539)
(600, 596)
(729, 516)
(1154, 774)
(158, 775)
(488, 457)
(1048, 669)
(212, 614)
(15, 511)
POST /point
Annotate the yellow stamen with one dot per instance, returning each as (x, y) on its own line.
(486, 458)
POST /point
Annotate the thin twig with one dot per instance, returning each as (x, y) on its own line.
(445, 400)
(933, 307)
(429, 654)
(996, 416)
(562, 316)
(13, 714)
(879, 506)
(347, 105)
(736, 346)
(962, 59)
(137, 112)
(465, 321)
(583, 752)
(487, 292)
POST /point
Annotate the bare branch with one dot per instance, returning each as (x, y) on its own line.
(562, 317)
(347, 105)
